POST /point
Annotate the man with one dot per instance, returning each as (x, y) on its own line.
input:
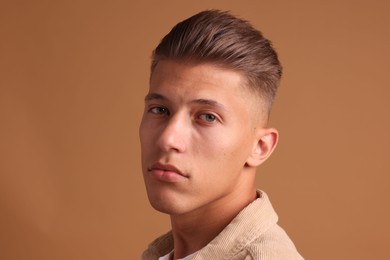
(203, 133)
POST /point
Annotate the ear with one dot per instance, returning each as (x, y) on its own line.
(264, 144)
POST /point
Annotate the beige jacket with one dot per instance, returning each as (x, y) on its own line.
(252, 234)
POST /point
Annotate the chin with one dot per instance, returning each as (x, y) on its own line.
(168, 203)
(168, 208)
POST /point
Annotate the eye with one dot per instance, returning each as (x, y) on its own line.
(159, 111)
(208, 117)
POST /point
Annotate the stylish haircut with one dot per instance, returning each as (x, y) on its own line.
(225, 40)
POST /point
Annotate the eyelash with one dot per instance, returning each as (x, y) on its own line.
(164, 111)
(214, 117)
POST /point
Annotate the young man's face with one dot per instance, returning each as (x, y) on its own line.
(197, 133)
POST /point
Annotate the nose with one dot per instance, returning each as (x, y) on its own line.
(174, 134)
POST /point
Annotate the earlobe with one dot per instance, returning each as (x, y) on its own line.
(263, 147)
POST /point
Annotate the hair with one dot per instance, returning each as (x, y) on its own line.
(218, 37)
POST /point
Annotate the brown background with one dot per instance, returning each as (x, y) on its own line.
(72, 78)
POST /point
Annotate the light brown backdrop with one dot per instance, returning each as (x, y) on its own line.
(72, 78)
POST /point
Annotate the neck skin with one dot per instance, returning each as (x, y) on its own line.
(193, 231)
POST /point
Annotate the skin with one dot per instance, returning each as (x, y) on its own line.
(202, 137)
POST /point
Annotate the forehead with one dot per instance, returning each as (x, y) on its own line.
(196, 77)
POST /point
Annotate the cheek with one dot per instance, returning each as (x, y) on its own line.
(142, 137)
(141, 130)
(146, 138)
(224, 149)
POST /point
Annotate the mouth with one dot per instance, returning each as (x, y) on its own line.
(166, 173)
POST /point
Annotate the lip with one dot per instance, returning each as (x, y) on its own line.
(166, 173)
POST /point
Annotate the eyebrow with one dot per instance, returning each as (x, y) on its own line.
(152, 96)
(200, 101)
(208, 102)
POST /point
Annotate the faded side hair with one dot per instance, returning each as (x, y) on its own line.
(218, 37)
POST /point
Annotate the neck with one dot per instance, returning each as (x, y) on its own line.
(193, 231)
